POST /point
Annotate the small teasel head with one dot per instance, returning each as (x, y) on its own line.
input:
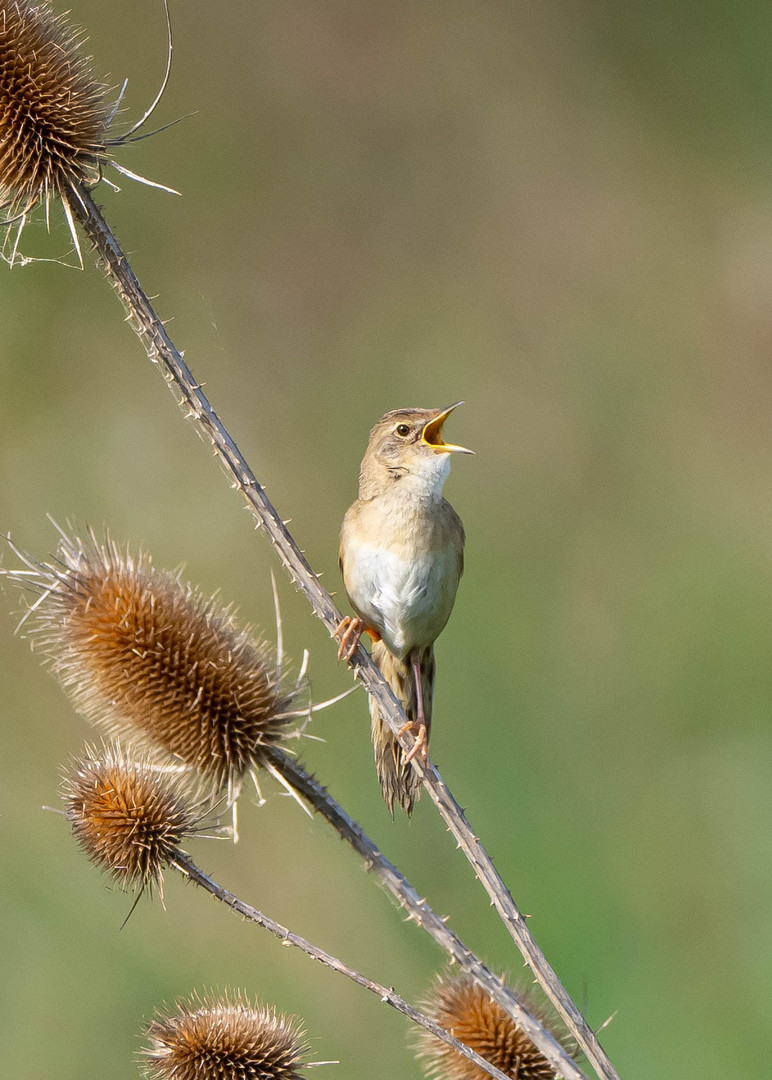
(223, 1037)
(148, 659)
(128, 817)
(55, 116)
(54, 113)
(462, 1007)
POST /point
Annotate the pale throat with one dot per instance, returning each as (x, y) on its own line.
(425, 478)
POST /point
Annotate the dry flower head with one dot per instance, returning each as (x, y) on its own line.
(53, 112)
(223, 1038)
(147, 658)
(462, 1007)
(54, 117)
(127, 816)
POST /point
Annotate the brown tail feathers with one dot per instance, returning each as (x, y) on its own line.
(399, 781)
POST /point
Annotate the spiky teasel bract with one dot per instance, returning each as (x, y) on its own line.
(224, 1037)
(462, 1007)
(147, 658)
(128, 817)
(54, 114)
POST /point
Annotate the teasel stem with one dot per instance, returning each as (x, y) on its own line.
(182, 862)
(130, 819)
(144, 654)
(419, 911)
(190, 396)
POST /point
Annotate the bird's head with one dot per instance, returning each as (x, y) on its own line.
(407, 445)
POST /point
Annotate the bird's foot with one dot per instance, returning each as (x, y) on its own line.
(420, 747)
(348, 631)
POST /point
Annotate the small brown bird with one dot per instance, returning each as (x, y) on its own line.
(402, 555)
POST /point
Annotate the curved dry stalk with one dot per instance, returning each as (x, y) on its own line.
(191, 397)
(186, 866)
(420, 912)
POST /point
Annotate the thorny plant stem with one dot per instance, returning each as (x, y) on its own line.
(185, 865)
(419, 911)
(191, 397)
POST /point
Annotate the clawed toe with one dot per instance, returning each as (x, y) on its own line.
(420, 748)
(349, 630)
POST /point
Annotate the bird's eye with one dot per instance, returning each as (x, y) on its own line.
(402, 430)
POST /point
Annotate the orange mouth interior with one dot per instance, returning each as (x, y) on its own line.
(432, 433)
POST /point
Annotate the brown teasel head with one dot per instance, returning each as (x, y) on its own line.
(224, 1037)
(148, 659)
(462, 1007)
(127, 816)
(54, 114)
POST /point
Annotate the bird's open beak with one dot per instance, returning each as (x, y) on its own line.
(432, 433)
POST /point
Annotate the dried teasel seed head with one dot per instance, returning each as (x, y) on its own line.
(147, 658)
(128, 818)
(223, 1038)
(459, 1005)
(53, 112)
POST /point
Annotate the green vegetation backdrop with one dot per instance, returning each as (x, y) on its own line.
(563, 214)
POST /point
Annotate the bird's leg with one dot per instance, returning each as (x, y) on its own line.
(417, 726)
(349, 630)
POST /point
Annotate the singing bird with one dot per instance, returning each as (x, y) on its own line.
(401, 556)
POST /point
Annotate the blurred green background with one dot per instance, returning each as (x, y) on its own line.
(563, 214)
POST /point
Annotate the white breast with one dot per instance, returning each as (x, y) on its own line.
(407, 601)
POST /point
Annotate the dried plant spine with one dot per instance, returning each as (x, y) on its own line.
(54, 114)
(460, 1005)
(223, 1038)
(127, 817)
(144, 656)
